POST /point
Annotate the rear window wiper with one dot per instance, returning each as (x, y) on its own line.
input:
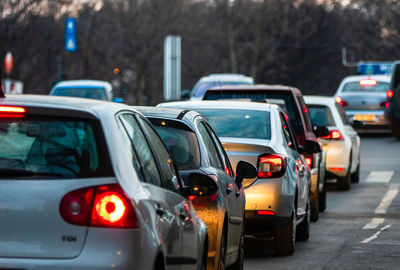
(16, 172)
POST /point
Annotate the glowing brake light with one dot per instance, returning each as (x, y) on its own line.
(341, 102)
(368, 82)
(12, 111)
(309, 161)
(333, 135)
(271, 165)
(389, 94)
(110, 207)
(265, 213)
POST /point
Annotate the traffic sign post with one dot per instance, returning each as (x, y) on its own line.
(70, 35)
(172, 68)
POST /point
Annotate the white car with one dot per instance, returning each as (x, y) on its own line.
(215, 80)
(343, 143)
(87, 184)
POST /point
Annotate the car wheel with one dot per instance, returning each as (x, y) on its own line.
(239, 264)
(203, 265)
(285, 237)
(322, 198)
(222, 251)
(355, 177)
(344, 183)
(314, 206)
(303, 229)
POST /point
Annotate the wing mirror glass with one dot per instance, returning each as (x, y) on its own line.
(310, 147)
(244, 169)
(321, 131)
(201, 185)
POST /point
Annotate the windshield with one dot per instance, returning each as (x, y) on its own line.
(321, 115)
(377, 87)
(200, 88)
(238, 123)
(181, 142)
(82, 92)
(63, 148)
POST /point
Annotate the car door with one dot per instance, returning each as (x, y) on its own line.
(235, 216)
(170, 177)
(164, 206)
(296, 164)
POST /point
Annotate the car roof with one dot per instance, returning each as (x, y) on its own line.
(91, 106)
(226, 77)
(256, 87)
(323, 100)
(219, 104)
(167, 113)
(356, 78)
(83, 82)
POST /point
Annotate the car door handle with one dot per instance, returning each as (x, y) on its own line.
(228, 190)
(160, 211)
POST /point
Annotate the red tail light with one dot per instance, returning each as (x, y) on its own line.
(12, 111)
(271, 166)
(389, 94)
(384, 104)
(333, 135)
(99, 206)
(309, 161)
(265, 213)
(341, 102)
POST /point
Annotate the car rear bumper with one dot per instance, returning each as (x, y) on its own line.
(104, 249)
(337, 158)
(256, 224)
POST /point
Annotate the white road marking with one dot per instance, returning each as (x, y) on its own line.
(379, 177)
(387, 200)
(369, 239)
(375, 222)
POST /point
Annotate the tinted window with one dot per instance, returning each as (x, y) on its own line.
(379, 87)
(165, 161)
(93, 93)
(321, 116)
(59, 147)
(212, 152)
(238, 123)
(287, 97)
(181, 142)
(200, 88)
(142, 149)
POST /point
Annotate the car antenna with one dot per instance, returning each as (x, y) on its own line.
(1, 87)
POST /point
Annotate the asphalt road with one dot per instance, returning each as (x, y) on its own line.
(360, 228)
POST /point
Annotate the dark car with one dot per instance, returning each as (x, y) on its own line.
(301, 122)
(393, 96)
(195, 148)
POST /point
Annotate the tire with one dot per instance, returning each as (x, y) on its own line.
(239, 264)
(285, 237)
(344, 183)
(355, 177)
(303, 229)
(314, 206)
(222, 251)
(322, 198)
(395, 123)
(203, 265)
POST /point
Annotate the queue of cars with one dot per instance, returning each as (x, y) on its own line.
(174, 187)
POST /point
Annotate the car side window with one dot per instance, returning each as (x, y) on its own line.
(215, 159)
(142, 149)
(225, 159)
(285, 131)
(168, 172)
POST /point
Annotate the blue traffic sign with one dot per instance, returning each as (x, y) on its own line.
(375, 68)
(70, 35)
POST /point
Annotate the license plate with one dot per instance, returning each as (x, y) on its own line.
(364, 117)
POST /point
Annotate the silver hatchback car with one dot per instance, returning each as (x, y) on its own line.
(89, 185)
(277, 201)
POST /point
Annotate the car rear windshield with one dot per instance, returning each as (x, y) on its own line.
(236, 123)
(200, 88)
(180, 141)
(44, 147)
(289, 107)
(374, 86)
(321, 115)
(82, 92)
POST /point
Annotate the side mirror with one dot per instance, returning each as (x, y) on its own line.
(244, 169)
(321, 131)
(201, 185)
(357, 124)
(310, 147)
(118, 100)
(185, 94)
